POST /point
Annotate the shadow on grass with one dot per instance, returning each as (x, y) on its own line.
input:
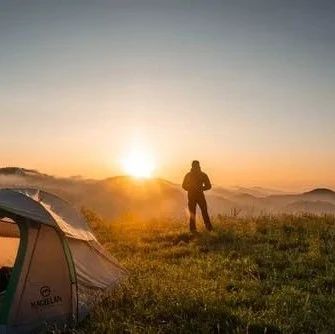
(172, 238)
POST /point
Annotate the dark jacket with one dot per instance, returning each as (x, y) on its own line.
(196, 182)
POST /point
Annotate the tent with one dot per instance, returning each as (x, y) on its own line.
(54, 266)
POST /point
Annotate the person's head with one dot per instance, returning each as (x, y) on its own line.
(195, 165)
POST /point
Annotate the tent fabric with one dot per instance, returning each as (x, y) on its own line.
(56, 252)
(19, 204)
(9, 229)
(93, 269)
(32, 237)
(55, 279)
(67, 218)
(8, 251)
(9, 242)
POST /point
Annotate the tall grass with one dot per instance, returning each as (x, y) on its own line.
(257, 275)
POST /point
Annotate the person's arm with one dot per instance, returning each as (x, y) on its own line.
(186, 183)
(207, 184)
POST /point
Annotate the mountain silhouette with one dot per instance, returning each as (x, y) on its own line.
(123, 197)
(321, 191)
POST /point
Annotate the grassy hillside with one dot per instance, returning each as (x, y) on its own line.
(265, 275)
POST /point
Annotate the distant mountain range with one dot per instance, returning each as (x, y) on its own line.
(122, 197)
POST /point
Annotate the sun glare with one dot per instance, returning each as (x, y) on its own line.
(139, 164)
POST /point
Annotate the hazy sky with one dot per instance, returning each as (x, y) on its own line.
(247, 87)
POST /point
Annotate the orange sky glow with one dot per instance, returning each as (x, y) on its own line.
(247, 90)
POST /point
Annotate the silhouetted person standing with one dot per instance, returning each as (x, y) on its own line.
(195, 183)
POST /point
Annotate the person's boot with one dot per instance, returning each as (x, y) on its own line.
(209, 227)
(193, 228)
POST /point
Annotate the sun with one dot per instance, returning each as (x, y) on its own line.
(139, 164)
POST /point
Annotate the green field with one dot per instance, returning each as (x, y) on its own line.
(264, 275)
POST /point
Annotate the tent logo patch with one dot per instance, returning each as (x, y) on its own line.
(45, 291)
(47, 299)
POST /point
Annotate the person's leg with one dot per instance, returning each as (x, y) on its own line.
(192, 210)
(204, 211)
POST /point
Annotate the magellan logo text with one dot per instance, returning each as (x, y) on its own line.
(47, 299)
